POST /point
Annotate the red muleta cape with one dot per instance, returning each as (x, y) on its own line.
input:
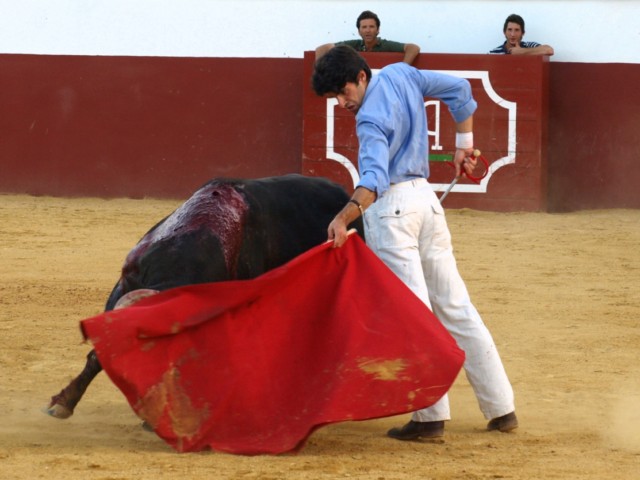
(255, 366)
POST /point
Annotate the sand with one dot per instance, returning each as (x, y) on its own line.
(559, 292)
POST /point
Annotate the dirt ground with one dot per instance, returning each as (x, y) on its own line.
(560, 293)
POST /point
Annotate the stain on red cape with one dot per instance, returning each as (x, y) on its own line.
(253, 367)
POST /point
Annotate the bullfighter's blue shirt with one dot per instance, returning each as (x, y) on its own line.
(392, 125)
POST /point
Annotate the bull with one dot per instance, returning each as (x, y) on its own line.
(229, 229)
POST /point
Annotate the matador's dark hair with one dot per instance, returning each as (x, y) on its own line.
(334, 69)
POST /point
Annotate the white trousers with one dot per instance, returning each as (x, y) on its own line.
(407, 230)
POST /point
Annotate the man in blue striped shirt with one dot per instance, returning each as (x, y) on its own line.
(404, 222)
(513, 32)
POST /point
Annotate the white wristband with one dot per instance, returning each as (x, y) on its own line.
(464, 140)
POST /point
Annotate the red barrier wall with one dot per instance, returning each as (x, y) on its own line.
(594, 136)
(145, 126)
(162, 126)
(510, 128)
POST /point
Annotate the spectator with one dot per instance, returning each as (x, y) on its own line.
(368, 25)
(513, 32)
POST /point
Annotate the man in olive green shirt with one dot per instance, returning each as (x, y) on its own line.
(368, 25)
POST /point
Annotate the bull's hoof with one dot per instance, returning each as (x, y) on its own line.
(58, 411)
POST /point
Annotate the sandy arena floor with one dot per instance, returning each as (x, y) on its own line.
(560, 293)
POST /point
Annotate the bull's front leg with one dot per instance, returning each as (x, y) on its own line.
(63, 404)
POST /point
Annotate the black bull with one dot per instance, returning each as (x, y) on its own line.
(229, 229)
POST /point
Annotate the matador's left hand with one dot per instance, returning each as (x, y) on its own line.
(464, 161)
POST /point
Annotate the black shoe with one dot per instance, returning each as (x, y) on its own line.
(505, 423)
(414, 430)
